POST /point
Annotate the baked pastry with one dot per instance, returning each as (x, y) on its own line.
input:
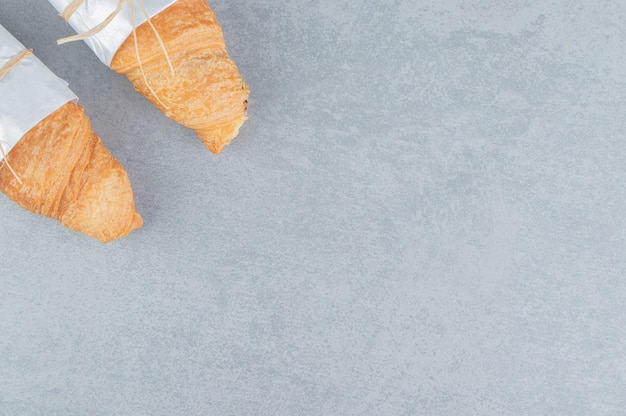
(206, 91)
(65, 172)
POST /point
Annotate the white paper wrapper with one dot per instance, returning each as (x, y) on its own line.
(93, 12)
(28, 93)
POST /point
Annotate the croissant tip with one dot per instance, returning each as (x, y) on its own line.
(137, 222)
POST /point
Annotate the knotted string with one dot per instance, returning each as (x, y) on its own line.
(75, 5)
(6, 68)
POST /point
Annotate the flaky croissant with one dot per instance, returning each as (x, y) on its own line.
(206, 93)
(66, 173)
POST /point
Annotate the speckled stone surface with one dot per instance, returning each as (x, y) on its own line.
(424, 215)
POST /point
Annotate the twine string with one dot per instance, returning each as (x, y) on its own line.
(75, 5)
(12, 63)
(143, 74)
(71, 9)
(158, 37)
(6, 68)
(5, 162)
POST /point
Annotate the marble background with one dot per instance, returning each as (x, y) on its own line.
(424, 215)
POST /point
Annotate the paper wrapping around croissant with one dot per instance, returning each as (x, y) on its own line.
(68, 174)
(207, 93)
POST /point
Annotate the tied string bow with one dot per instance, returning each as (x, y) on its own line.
(71, 8)
(4, 70)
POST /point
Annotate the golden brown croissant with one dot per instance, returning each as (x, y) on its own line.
(68, 174)
(206, 93)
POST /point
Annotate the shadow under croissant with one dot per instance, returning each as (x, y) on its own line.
(206, 92)
(67, 174)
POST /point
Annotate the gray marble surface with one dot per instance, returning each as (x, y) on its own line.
(424, 215)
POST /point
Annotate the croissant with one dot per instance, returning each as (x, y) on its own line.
(206, 92)
(66, 173)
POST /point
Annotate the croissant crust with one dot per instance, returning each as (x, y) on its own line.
(66, 173)
(207, 92)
